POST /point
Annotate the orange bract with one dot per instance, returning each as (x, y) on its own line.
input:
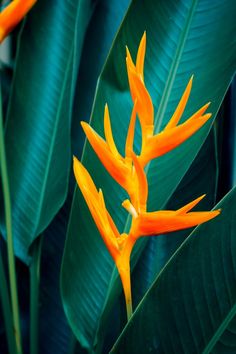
(12, 15)
(129, 171)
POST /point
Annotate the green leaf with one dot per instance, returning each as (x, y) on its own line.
(39, 116)
(54, 331)
(191, 305)
(100, 34)
(182, 38)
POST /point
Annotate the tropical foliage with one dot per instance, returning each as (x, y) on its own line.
(162, 124)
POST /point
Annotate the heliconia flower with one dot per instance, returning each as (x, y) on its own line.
(12, 15)
(129, 172)
(143, 223)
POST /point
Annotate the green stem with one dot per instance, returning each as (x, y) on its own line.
(34, 294)
(6, 309)
(10, 247)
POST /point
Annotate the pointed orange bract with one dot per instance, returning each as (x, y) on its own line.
(129, 172)
(165, 221)
(12, 15)
(119, 245)
(174, 120)
(167, 140)
(115, 164)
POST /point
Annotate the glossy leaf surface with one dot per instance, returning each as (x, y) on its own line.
(55, 333)
(191, 305)
(183, 38)
(39, 118)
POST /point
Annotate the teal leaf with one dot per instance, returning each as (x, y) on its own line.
(39, 117)
(182, 38)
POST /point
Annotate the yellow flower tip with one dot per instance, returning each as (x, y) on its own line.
(129, 61)
(127, 52)
(74, 159)
(141, 56)
(204, 118)
(108, 133)
(130, 208)
(84, 125)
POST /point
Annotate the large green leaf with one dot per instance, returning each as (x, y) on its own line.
(54, 331)
(191, 306)
(183, 37)
(39, 115)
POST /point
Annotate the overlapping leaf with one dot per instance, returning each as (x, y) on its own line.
(55, 334)
(183, 38)
(39, 117)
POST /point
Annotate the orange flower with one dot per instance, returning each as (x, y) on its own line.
(129, 172)
(12, 15)
(143, 223)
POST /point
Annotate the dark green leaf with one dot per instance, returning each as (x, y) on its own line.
(39, 116)
(183, 38)
(55, 334)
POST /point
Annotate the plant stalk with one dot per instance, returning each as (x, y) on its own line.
(34, 294)
(6, 309)
(10, 246)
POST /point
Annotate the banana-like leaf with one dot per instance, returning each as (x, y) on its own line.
(39, 117)
(191, 306)
(99, 37)
(183, 38)
(54, 331)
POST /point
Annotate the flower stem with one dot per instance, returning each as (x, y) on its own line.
(10, 247)
(6, 310)
(34, 294)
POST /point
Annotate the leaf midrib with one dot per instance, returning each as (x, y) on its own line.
(53, 140)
